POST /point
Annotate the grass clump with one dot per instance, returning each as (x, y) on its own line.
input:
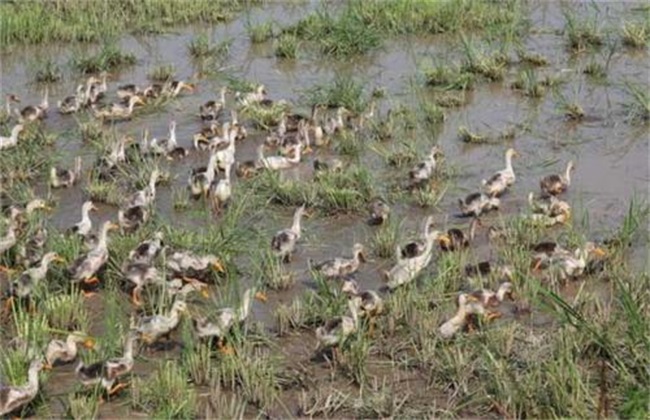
(165, 394)
(343, 90)
(528, 84)
(491, 66)
(595, 69)
(635, 35)
(109, 58)
(449, 78)
(582, 34)
(638, 107)
(162, 73)
(286, 46)
(48, 72)
(260, 33)
(201, 48)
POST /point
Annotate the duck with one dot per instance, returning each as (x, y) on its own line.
(175, 87)
(334, 125)
(65, 178)
(240, 131)
(73, 103)
(486, 268)
(31, 252)
(125, 92)
(10, 238)
(36, 112)
(116, 155)
(108, 372)
(12, 140)
(147, 250)
(467, 306)
(99, 87)
(220, 191)
(225, 149)
(187, 264)
(116, 112)
(203, 138)
(211, 110)
(168, 147)
(498, 183)
(555, 184)
(256, 96)
(331, 165)
(290, 141)
(417, 256)
(548, 205)
(455, 239)
(248, 168)
(84, 227)
(543, 251)
(23, 286)
(336, 330)
(370, 303)
(14, 397)
(7, 112)
(132, 218)
(66, 351)
(141, 275)
(567, 265)
(225, 319)
(275, 163)
(201, 178)
(284, 241)
(423, 171)
(379, 212)
(478, 203)
(488, 298)
(85, 268)
(151, 328)
(146, 196)
(180, 288)
(340, 267)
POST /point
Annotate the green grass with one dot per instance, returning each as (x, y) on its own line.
(635, 35)
(95, 20)
(165, 394)
(48, 72)
(286, 46)
(201, 48)
(109, 58)
(162, 73)
(260, 33)
(342, 90)
(528, 84)
(449, 78)
(582, 34)
(638, 105)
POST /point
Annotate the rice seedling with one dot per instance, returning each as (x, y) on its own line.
(222, 406)
(385, 239)
(272, 271)
(342, 91)
(595, 70)
(260, 33)
(467, 136)
(582, 34)
(165, 394)
(532, 59)
(47, 72)
(264, 117)
(180, 199)
(449, 78)
(349, 144)
(432, 114)
(322, 404)
(528, 84)
(635, 35)
(92, 131)
(286, 46)
(82, 406)
(103, 191)
(491, 66)
(162, 73)
(355, 353)
(66, 312)
(450, 99)
(198, 363)
(109, 58)
(638, 107)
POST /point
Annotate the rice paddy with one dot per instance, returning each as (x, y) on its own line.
(418, 104)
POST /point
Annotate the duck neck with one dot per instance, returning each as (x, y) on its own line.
(260, 153)
(45, 103)
(295, 227)
(567, 174)
(509, 163)
(32, 379)
(222, 97)
(211, 165)
(172, 136)
(472, 229)
(128, 348)
(152, 183)
(85, 215)
(15, 132)
(296, 158)
(103, 236)
(245, 306)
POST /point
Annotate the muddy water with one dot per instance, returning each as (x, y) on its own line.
(611, 155)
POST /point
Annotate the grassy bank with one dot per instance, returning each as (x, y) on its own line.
(35, 22)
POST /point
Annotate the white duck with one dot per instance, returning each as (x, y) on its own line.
(478, 203)
(151, 328)
(335, 331)
(12, 140)
(275, 163)
(220, 191)
(84, 227)
(201, 178)
(338, 267)
(14, 397)
(500, 181)
(84, 268)
(284, 242)
(66, 351)
(467, 306)
(424, 170)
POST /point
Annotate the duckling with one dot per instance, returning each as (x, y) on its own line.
(275, 163)
(212, 109)
(73, 103)
(147, 250)
(485, 268)
(66, 351)
(379, 212)
(36, 112)
(336, 330)
(488, 298)
(254, 97)
(116, 112)
(146, 196)
(467, 306)
(220, 191)
(14, 397)
(557, 184)
(85, 268)
(240, 131)
(284, 242)
(573, 266)
(334, 125)
(125, 92)
(423, 171)
(84, 227)
(500, 181)
(65, 178)
(31, 252)
(455, 239)
(108, 372)
(550, 206)
(247, 169)
(339, 267)
(132, 218)
(174, 88)
(203, 138)
(187, 264)
(141, 275)
(225, 319)
(23, 286)
(201, 178)
(370, 303)
(151, 328)
(478, 203)
(12, 140)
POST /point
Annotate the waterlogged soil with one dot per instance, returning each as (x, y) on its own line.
(611, 153)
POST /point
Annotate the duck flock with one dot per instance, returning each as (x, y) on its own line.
(291, 136)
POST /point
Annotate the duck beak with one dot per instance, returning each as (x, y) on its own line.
(205, 293)
(261, 296)
(114, 226)
(362, 257)
(217, 266)
(59, 259)
(599, 252)
(444, 240)
(89, 343)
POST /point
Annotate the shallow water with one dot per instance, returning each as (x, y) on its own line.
(611, 154)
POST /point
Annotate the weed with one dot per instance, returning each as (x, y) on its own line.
(162, 73)
(635, 35)
(201, 47)
(450, 99)
(532, 59)
(260, 33)
(286, 46)
(491, 66)
(109, 58)
(103, 191)
(66, 312)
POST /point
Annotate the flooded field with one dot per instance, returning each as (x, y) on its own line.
(555, 82)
